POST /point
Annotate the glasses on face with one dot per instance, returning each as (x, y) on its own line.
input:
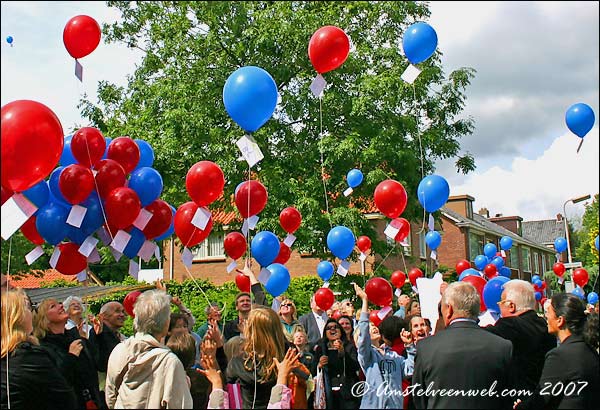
(287, 305)
(504, 301)
(330, 328)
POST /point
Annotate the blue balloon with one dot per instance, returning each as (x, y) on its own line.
(354, 178)
(9, 39)
(506, 243)
(39, 194)
(55, 194)
(76, 235)
(592, 298)
(433, 191)
(94, 218)
(325, 270)
(147, 183)
(108, 141)
(51, 223)
(560, 244)
(279, 280)
(480, 262)
(171, 229)
(538, 295)
(534, 278)
(498, 261)
(67, 158)
(341, 241)
(596, 242)
(505, 271)
(135, 243)
(419, 42)
(265, 247)
(490, 250)
(433, 239)
(468, 272)
(538, 282)
(492, 292)
(146, 154)
(250, 97)
(579, 292)
(580, 119)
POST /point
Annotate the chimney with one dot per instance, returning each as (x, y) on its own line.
(559, 217)
(461, 204)
(484, 212)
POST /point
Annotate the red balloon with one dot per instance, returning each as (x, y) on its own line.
(414, 274)
(110, 175)
(6, 194)
(398, 279)
(32, 143)
(188, 234)
(125, 151)
(580, 277)
(559, 269)
(70, 261)
(363, 243)
(336, 314)
(129, 301)
(235, 245)
(160, 220)
(479, 284)
(328, 48)
(242, 282)
(374, 318)
(29, 230)
(290, 219)
(88, 146)
(81, 36)
(204, 182)
(379, 291)
(284, 254)
(490, 270)
(324, 298)
(390, 198)
(122, 207)
(403, 227)
(250, 198)
(462, 265)
(76, 183)
(542, 301)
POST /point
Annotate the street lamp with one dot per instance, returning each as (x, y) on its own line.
(575, 201)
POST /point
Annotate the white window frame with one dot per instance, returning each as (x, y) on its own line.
(422, 246)
(526, 260)
(211, 248)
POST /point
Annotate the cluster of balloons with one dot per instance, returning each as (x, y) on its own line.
(81, 36)
(539, 286)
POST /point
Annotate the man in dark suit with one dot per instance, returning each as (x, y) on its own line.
(314, 323)
(526, 330)
(463, 367)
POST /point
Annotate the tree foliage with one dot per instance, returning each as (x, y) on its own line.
(585, 250)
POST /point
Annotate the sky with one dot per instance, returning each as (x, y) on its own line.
(533, 60)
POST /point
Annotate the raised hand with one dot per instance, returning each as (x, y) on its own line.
(76, 347)
(406, 337)
(360, 292)
(214, 333)
(289, 363)
(211, 371)
(208, 347)
(97, 323)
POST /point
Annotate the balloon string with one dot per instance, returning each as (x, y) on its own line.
(98, 194)
(580, 144)
(196, 283)
(384, 259)
(322, 160)
(415, 107)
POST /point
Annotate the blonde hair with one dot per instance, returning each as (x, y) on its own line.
(233, 347)
(13, 330)
(264, 340)
(40, 319)
(295, 313)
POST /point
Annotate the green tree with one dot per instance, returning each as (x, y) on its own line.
(371, 119)
(17, 246)
(585, 250)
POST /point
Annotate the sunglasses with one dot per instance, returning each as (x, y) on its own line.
(287, 305)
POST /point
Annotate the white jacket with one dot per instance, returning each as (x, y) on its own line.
(155, 377)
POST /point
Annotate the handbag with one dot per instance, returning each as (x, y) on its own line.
(320, 399)
(234, 391)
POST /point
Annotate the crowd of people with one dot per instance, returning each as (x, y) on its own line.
(268, 357)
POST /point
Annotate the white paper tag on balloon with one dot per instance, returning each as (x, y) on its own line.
(104, 236)
(398, 292)
(15, 212)
(391, 232)
(81, 276)
(561, 280)
(250, 150)
(343, 267)
(116, 254)
(433, 255)
(405, 243)
(415, 290)
(157, 253)
(410, 74)
(325, 285)
(318, 85)
(245, 228)
(34, 255)
(147, 251)
(94, 256)
(134, 269)
(76, 215)
(348, 191)
(431, 223)
(289, 240)
(383, 312)
(503, 253)
(142, 219)
(252, 222)
(264, 275)
(187, 257)
(557, 256)
(78, 71)
(54, 258)
(88, 246)
(231, 267)
(362, 257)
(201, 218)
(120, 241)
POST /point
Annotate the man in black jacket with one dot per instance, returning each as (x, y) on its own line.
(463, 367)
(112, 317)
(526, 330)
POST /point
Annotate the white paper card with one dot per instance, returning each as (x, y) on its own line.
(15, 212)
(142, 219)
(88, 246)
(431, 223)
(76, 215)
(116, 254)
(187, 257)
(120, 241)
(104, 235)
(343, 267)
(81, 276)
(348, 191)
(147, 251)
(264, 275)
(503, 253)
(157, 253)
(383, 312)
(253, 221)
(362, 257)
(245, 228)
(433, 255)
(325, 285)
(391, 232)
(410, 74)
(201, 218)
(250, 150)
(289, 240)
(561, 280)
(78, 71)
(398, 292)
(54, 257)
(34, 255)
(318, 85)
(486, 318)
(429, 296)
(415, 290)
(231, 267)
(405, 243)
(94, 256)
(134, 269)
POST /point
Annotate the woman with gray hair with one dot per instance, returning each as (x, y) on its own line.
(74, 307)
(142, 371)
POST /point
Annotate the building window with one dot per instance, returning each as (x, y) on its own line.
(407, 250)
(513, 258)
(525, 253)
(475, 245)
(536, 263)
(211, 248)
(422, 246)
(544, 263)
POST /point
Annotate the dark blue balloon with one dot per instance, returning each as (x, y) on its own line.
(76, 235)
(433, 192)
(419, 42)
(135, 243)
(492, 292)
(146, 154)
(433, 239)
(538, 295)
(51, 223)
(506, 243)
(579, 292)
(9, 40)
(94, 218)
(147, 183)
(596, 242)
(592, 298)
(39, 194)
(354, 178)
(560, 244)
(67, 157)
(505, 271)
(171, 229)
(108, 141)
(265, 247)
(468, 272)
(279, 280)
(490, 250)
(480, 262)
(498, 261)
(580, 119)
(538, 283)
(55, 194)
(341, 241)
(535, 278)
(250, 97)
(325, 270)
